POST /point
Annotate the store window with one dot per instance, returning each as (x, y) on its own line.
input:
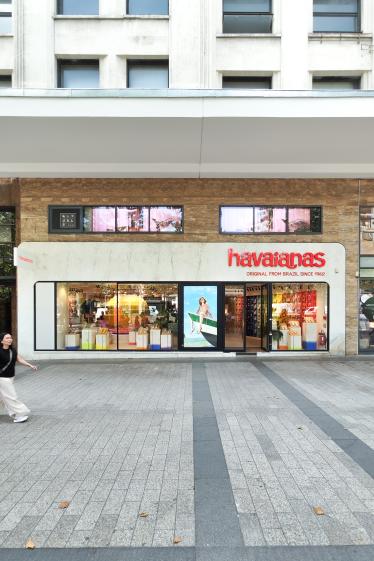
(300, 317)
(247, 16)
(86, 316)
(99, 219)
(148, 317)
(83, 74)
(366, 320)
(336, 83)
(336, 16)
(148, 7)
(111, 219)
(246, 82)
(7, 242)
(78, 7)
(148, 74)
(270, 220)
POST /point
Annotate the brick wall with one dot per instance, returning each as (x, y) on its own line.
(339, 198)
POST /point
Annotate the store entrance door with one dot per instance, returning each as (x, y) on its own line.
(257, 317)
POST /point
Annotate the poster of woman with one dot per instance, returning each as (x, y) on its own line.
(200, 316)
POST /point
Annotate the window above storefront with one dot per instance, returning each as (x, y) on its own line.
(270, 220)
(116, 219)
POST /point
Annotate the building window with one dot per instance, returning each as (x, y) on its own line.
(111, 316)
(148, 7)
(83, 74)
(65, 220)
(299, 317)
(246, 82)
(116, 219)
(78, 7)
(7, 241)
(367, 230)
(5, 22)
(336, 16)
(5, 81)
(247, 16)
(270, 220)
(147, 74)
(336, 83)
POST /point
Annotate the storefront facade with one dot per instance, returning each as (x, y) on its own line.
(181, 297)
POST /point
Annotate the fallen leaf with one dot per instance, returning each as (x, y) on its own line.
(177, 539)
(144, 514)
(318, 510)
(63, 504)
(30, 544)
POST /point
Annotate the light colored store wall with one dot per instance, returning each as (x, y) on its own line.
(192, 40)
(201, 200)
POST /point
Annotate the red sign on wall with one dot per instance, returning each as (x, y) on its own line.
(276, 259)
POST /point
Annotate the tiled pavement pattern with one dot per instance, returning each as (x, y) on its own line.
(281, 465)
(117, 439)
(114, 440)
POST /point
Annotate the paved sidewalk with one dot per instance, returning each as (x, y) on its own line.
(191, 460)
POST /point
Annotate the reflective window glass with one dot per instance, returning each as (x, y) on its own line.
(270, 219)
(79, 75)
(166, 219)
(148, 75)
(78, 7)
(236, 220)
(5, 22)
(148, 7)
(132, 219)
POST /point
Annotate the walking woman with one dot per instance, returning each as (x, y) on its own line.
(8, 358)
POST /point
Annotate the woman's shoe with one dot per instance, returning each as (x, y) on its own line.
(20, 418)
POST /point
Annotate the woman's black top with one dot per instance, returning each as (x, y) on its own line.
(4, 359)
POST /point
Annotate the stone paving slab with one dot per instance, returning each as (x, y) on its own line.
(177, 440)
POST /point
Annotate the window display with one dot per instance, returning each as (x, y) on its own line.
(86, 317)
(236, 220)
(132, 219)
(99, 219)
(200, 316)
(165, 219)
(299, 317)
(147, 317)
(267, 219)
(366, 321)
(366, 230)
(234, 316)
(270, 219)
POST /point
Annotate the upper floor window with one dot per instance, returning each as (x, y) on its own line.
(5, 16)
(78, 7)
(7, 241)
(336, 83)
(112, 219)
(247, 16)
(148, 7)
(336, 16)
(247, 82)
(147, 74)
(5, 81)
(78, 74)
(270, 220)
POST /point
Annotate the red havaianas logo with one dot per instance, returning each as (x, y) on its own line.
(274, 259)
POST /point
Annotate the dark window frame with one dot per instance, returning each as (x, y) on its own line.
(330, 79)
(82, 208)
(5, 78)
(60, 11)
(145, 62)
(145, 15)
(340, 14)
(253, 79)
(286, 232)
(75, 62)
(268, 13)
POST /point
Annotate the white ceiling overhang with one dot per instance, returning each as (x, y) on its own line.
(210, 133)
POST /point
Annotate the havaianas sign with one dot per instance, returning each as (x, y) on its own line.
(290, 262)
